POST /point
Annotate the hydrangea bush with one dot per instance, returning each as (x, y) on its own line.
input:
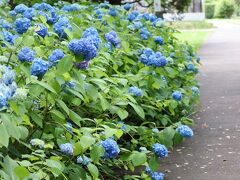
(87, 90)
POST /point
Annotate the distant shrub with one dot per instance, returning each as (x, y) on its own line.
(209, 10)
(224, 9)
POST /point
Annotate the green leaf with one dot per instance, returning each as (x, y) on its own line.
(63, 106)
(46, 86)
(21, 172)
(64, 65)
(86, 141)
(4, 136)
(139, 159)
(138, 109)
(96, 153)
(28, 41)
(92, 91)
(93, 170)
(153, 163)
(104, 103)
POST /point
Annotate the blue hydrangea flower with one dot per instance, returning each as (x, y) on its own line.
(122, 126)
(91, 34)
(71, 84)
(111, 148)
(158, 22)
(5, 94)
(21, 8)
(8, 76)
(37, 142)
(29, 13)
(39, 67)
(177, 95)
(160, 150)
(185, 131)
(159, 40)
(26, 55)
(198, 59)
(131, 17)
(12, 13)
(70, 8)
(66, 148)
(55, 56)
(135, 91)
(135, 25)
(195, 90)
(41, 30)
(20, 94)
(150, 58)
(83, 161)
(112, 38)
(5, 25)
(113, 12)
(153, 17)
(127, 6)
(9, 37)
(83, 46)
(157, 176)
(22, 25)
(148, 170)
(144, 34)
(59, 26)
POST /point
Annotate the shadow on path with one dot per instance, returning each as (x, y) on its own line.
(214, 152)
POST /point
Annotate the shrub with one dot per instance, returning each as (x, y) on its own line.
(209, 10)
(72, 106)
(224, 9)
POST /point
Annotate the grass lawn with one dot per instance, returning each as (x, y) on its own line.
(194, 38)
(191, 25)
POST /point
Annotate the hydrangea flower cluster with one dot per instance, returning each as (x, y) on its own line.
(7, 85)
(66, 148)
(112, 38)
(5, 25)
(26, 54)
(9, 37)
(159, 40)
(20, 94)
(111, 148)
(41, 30)
(59, 26)
(177, 95)
(154, 175)
(39, 67)
(55, 56)
(70, 8)
(87, 46)
(150, 58)
(37, 142)
(185, 131)
(83, 160)
(195, 90)
(135, 91)
(22, 25)
(144, 34)
(157, 176)
(160, 150)
(92, 35)
(135, 26)
(127, 6)
(113, 12)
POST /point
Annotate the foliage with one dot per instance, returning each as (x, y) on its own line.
(209, 10)
(190, 25)
(224, 9)
(68, 109)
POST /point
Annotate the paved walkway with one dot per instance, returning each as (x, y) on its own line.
(214, 152)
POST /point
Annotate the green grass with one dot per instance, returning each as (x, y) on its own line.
(191, 25)
(194, 38)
